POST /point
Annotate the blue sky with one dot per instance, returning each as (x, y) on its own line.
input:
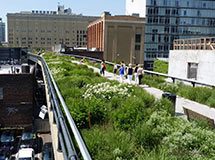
(86, 7)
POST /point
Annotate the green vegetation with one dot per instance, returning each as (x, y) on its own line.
(120, 121)
(203, 95)
(160, 66)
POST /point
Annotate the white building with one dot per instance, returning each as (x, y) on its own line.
(136, 7)
(193, 61)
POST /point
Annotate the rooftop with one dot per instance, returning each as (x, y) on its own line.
(203, 43)
(10, 69)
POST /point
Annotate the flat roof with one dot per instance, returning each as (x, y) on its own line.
(7, 69)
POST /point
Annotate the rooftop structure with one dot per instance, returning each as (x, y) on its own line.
(195, 44)
(121, 38)
(193, 59)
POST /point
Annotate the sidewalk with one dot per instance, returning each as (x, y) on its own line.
(157, 93)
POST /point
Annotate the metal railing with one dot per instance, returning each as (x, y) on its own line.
(64, 121)
(193, 82)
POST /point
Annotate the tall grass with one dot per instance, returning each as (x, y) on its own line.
(134, 127)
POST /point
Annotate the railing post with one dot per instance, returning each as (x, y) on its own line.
(173, 80)
(59, 148)
(193, 83)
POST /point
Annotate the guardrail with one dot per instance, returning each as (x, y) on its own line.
(59, 107)
(193, 82)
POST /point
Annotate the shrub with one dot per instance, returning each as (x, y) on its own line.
(160, 66)
(106, 91)
(107, 143)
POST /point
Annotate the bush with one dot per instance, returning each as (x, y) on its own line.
(106, 143)
(160, 66)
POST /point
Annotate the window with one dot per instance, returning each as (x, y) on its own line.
(192, 70)
(177, 3)
(1, 93)
(188, 4)
(137, 38)
(153, 38)
(137, 47)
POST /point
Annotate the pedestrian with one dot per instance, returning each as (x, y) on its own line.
(115, 69)
(135, 74)
(140, 74)
(122, 72)
(129, 73)
(102, 68)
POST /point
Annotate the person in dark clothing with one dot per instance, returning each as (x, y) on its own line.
(103, 68)
(130, 73)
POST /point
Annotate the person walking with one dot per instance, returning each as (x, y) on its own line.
(102, 68)
(140, 74)
(135, 74)
(129, 73)
(122, 72)
(115, 69)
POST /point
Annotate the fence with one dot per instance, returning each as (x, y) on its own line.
(62, 117)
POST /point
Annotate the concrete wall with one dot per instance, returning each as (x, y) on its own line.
(179, 59)
(120, 42)
(136, 7)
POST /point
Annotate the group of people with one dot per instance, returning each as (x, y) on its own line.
(130, 72)
(124, 71)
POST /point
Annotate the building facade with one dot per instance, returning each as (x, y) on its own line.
(193, 59)
(167, 20)
(44, 29)
(2, 31)
(121, 38)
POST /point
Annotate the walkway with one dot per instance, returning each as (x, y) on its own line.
(157, 93)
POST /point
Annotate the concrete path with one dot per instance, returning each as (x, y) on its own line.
(180, 102)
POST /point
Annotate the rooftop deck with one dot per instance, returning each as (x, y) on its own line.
(206, 43)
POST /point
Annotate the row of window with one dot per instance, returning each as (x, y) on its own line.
(48, 43)
(47, 31)
(156, 55)
(48, 39)
(180, 3)
(181, 21)
(175, 12)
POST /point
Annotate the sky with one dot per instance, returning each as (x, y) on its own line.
(85, 7)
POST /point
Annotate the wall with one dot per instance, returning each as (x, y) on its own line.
(178, 64)
(136, 6)
(16, 108)
(44, 31)
(92, 54)
(120, 41)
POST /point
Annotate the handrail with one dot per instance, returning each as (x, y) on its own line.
(193, 82)
(60, 117)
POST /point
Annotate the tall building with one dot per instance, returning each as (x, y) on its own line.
(44, 29)
(120, 38)
(2, 31)
(167, 20)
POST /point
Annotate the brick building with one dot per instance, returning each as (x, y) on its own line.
(119, 37)
(16, 100)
